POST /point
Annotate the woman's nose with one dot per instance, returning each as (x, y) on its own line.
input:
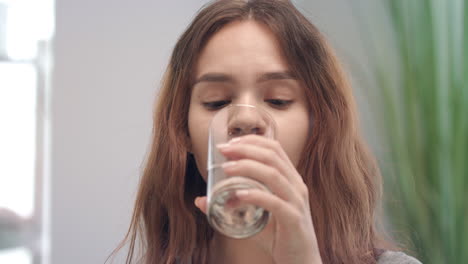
(245, 120)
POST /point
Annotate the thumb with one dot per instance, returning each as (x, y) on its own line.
(200, 202)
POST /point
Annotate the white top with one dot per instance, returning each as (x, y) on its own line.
(388, 257)
(392, 257)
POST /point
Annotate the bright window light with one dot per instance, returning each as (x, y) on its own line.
(27, 22)
(16, 256)
(17, 137)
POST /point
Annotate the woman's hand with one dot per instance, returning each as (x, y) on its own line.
(289, 236)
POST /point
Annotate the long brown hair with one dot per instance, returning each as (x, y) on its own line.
(342, 177)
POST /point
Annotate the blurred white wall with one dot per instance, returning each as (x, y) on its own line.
(108, 58)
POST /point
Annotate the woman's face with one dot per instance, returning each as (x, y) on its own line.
(243, 64)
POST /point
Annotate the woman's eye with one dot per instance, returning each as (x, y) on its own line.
(278, 103)
(215, 105)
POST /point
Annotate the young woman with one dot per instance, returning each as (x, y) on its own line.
(326, 185)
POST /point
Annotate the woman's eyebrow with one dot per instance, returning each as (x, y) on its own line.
(214, 77)
(268, 76)
(279, 75)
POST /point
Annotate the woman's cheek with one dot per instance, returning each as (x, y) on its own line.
(292, 135)
(200, 150)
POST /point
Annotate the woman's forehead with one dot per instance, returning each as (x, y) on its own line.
(241, 45)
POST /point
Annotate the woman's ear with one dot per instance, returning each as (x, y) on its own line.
(201, 203)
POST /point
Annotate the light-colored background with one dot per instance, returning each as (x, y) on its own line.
(108, 58)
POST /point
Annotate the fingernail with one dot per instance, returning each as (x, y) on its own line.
(242, 193)
(228, 164)
(230, 142)
(223, 145)
(234, 140)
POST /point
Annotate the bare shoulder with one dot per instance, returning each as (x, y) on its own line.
(393, 257)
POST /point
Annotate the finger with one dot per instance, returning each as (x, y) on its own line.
(263, 155)
(274, 146)
(264, 142)
(201, 203)
(285, 213)
(267, 175)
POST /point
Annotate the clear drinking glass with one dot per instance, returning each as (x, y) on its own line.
(225, 213)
